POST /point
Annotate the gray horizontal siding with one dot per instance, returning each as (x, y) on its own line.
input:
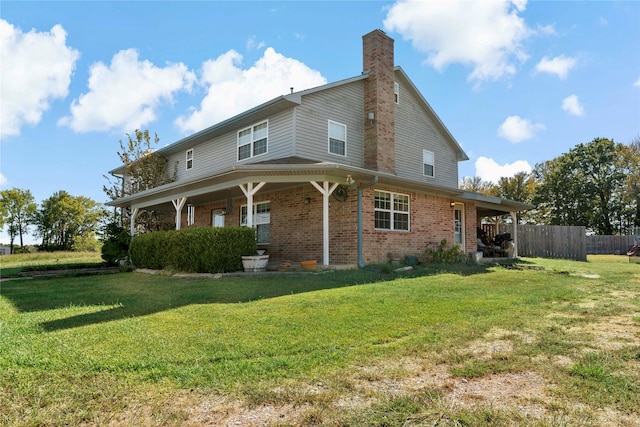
(343, 104)
(213, 156)
(417, 130)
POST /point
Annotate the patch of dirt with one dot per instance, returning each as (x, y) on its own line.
(612, 332)
(527, 393)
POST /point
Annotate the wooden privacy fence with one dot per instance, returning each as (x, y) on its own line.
(615, 245)
(550, 241)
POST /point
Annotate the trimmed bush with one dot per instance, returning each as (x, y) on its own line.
(197, 250)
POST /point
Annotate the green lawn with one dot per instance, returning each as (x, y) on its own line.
(323, 349)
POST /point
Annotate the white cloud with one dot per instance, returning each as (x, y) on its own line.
(560, 65)
(637, 83)
(232, 89)
(253, 44)
(3, 180)
(126, 94)
(572, 105)
(486, 35)
(489, 170)
(35, 69)
(516, 129)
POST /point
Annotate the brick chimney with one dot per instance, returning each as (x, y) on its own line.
(379, 134)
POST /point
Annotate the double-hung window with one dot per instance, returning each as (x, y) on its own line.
(428, 163)
(189, 159)
(261, 220)
(391, 211)
(252, 141)
(337, 138)
(396, 92)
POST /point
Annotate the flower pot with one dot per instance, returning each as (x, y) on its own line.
(255, 263)
(309, 264)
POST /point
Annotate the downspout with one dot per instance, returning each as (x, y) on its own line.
(360, 188)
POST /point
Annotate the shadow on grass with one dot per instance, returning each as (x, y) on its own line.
(119, 296)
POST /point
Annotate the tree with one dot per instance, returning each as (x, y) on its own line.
(630, 163)
(477, 185)
(64, 220)
(17, 207)
(521, 188)
(585, 186)
(143, 169)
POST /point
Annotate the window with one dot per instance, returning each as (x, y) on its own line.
(458, 224)
(252, 141)
(261, 220)
(337, 138)
(396, 92)
(391, 211)
(189, 157)
(191, 214)
(428, 162)
(217, 220)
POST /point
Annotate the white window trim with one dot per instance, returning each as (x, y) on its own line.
(396, 92)
(253, 141)
(433, 165)
(329, 138)
(188, 165)
(256, 221)
(191, 214)
(392, 211)
(459, 207)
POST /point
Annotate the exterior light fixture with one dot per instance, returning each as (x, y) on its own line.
(350, 180)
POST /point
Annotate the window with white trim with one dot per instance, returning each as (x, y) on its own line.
(458, 224)
(191, 214)
(428, 163)
(217, 219)
(337, 138)
(252, 141)
(189, 159)
(391, 211)
(261, 220)
(396, 92)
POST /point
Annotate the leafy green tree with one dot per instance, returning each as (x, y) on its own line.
(630, 164)
(521, 188)
(64, 220)
(477, 185)
(17, 208)
(585, 186)
(142, 169)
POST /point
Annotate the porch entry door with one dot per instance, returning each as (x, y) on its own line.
(458, 225)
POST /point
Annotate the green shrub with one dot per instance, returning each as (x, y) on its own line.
(116, 243)
(443, 255)
(200, 250)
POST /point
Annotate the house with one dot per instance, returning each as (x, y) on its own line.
(348, 172)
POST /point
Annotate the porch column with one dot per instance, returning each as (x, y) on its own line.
(134, 215)
(326, 191)
(514, 220)
(179, 204)
(249, 191)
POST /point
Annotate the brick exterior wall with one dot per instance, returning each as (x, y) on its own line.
(296, 226)
(379, 136)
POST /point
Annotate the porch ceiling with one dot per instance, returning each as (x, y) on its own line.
(291, 172)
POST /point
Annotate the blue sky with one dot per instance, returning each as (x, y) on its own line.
(515, 82)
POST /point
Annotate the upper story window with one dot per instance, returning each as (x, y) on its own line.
(252, 141)
(337, 138)
(396, 92)
(428, 163)
(391, 211)
(189, 159)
